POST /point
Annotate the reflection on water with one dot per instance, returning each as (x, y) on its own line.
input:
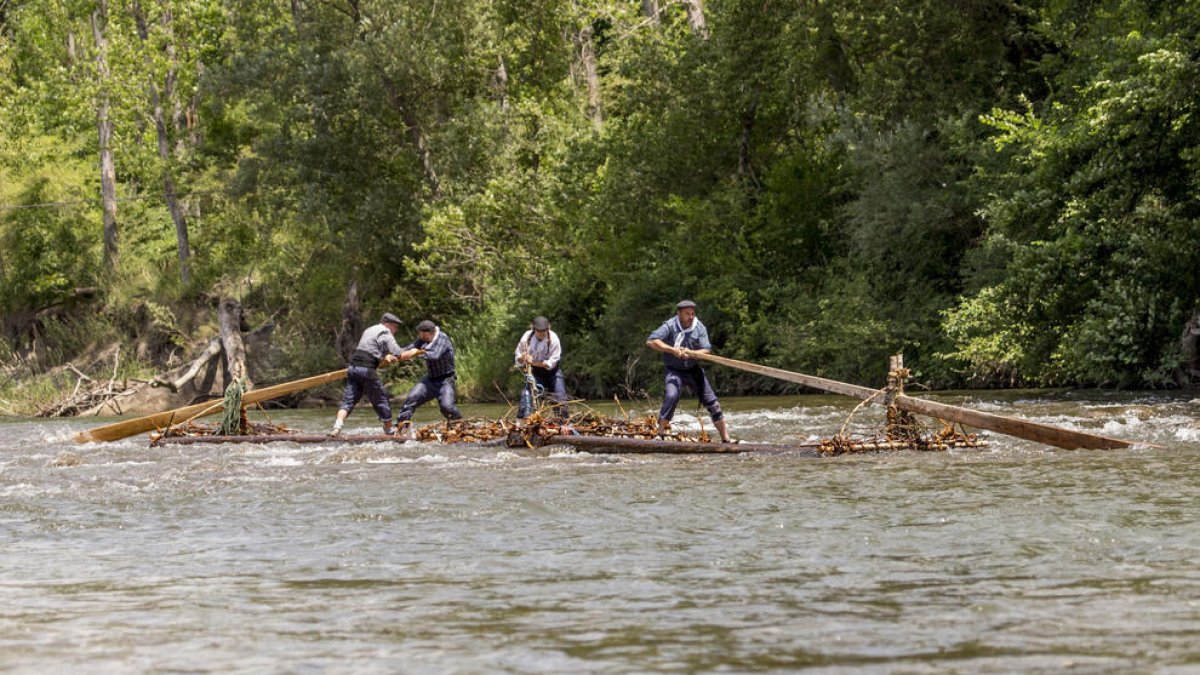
(1019, 557)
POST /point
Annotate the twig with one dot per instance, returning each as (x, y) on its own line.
(856, 409)
(78, 372)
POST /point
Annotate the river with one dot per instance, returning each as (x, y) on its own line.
(418, 558)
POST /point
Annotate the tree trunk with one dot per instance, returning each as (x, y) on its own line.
(1191, 350)
(229, 319)
(352, 323)
(695, 12)
(104, 124)
(591, 74)
(745, 169)
(651, 9)
(416, 136)
(501, 84)
(164, 148)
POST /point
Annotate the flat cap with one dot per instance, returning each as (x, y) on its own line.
(541, 323)
(388, 317)
(685, 304)
(426, 325)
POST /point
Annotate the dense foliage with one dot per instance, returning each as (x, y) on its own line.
(1005, 190)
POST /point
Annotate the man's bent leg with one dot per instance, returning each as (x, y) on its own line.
(555, 385)
(446, 399)
(350, 397)
(419, 394)
(708, 398)
(671, 390)
(560, 395)
(378, 395)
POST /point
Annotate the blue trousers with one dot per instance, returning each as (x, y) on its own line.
(429, 388)
(553, 383)
(697, 381)
(361, 380)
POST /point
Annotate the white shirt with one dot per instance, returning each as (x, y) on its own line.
(547, 351)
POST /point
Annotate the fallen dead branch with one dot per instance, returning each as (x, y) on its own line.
(91, 394)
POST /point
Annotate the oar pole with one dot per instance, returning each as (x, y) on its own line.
(139, 425)
(1011, 426)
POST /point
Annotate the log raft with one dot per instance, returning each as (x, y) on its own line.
(602, 445)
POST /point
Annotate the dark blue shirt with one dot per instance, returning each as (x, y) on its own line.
(439, 354)
(696, 338)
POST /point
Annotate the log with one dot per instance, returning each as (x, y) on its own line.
(139, 425)
(1010, 426)
(277, 438)
(305, 439)
(614, 445)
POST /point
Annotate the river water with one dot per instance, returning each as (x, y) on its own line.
(419, 558)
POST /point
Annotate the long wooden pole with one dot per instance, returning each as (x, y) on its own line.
(1011, 426)
(139, 425)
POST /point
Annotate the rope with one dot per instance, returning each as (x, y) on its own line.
(232, 417)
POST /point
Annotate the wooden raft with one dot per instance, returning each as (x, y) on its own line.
(601, 445)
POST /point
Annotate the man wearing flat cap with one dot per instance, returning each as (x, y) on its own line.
(677, 339)
(538, 353)
(377, 347)
(438, 351)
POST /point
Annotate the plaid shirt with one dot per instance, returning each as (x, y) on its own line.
(439, 354)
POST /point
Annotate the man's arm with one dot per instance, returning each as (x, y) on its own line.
(410, 351)
(390, 346)
(660, 346)
(702, 339)
(522, 349)
(657, 343)
(436, 349)
(555, 353)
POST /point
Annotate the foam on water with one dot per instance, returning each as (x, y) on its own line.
(398, 557)
(1188, 434)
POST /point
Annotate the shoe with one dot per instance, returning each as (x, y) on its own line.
(334, 432)
(404, 432)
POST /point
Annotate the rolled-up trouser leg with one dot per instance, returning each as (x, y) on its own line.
(419, 394)
(673, 385)
(708, 397)
(446, 398)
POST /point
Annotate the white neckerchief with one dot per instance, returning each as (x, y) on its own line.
(436, 332)
(542, 346)
(682, 333)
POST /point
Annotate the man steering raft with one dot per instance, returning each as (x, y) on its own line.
(438, 351)
(677, 338)
(538, 353)
(376, 347)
